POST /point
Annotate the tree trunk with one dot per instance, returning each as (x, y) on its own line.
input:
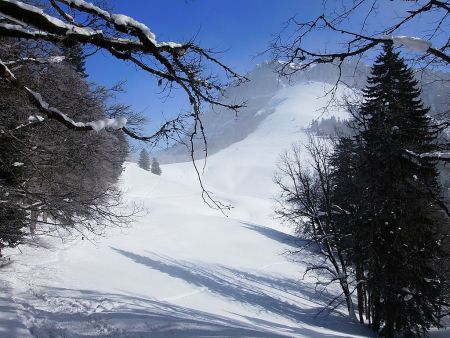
(360, 293)
(348, 299)
(366, 305)
(376, 311)
(33, 221)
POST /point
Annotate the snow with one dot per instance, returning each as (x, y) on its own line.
(86, 31)
(435, 154)
(88, 6)
(20, 28)
(407, 298)
(118, 19)
(124, 20)
(56, 59)
(106, 123)
(34, 118)
(26, 6)
(10, 325)
(98, 125)
(170, 44)
(54, 21)
(183, 269)
(52, 59)
(38, 97)
(412, 43)
(261, 95)
(8, 74)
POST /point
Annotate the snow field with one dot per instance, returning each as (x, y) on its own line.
(183, 269)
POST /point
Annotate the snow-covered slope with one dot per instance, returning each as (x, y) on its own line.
(224, 127)
(183, 269)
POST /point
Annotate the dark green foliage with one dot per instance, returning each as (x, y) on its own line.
(329, 127)
(144, 160)
(390, 203)
(74, 57)
(156, 169)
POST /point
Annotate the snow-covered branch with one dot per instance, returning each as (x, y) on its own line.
(417, 45)
(53, 59)
(435, 155)
(172, 64)
(126, 39)
(291, 45)
(55, 114)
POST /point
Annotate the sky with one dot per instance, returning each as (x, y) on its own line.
(239, 29)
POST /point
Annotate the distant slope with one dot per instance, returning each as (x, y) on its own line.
(224, 127)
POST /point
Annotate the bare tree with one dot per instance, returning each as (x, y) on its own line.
(53, 180)
(182, 65)
(306, 201)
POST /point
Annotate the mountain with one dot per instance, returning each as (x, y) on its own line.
(261, 95)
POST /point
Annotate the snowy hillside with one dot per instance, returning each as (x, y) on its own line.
(260, 94)
(183, 269)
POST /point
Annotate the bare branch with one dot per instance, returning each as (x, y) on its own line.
(175, 64)
(294, 49)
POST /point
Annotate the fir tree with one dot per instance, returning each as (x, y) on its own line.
(396, 236)
(155, 167)
(144, 160)
(74, 57)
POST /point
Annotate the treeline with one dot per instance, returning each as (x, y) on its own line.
(329, 127)
(374, 208)
(54, 179)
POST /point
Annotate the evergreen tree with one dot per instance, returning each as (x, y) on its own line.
(74, 57)
(156, 169)
(144, 160)
(395, 220)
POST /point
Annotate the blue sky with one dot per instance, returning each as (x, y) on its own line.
(241, 29)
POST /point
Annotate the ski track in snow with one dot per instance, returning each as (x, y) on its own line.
(184, 270)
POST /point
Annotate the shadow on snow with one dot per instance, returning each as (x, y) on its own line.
(295, 242)
(284, 297)
(60, 312)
